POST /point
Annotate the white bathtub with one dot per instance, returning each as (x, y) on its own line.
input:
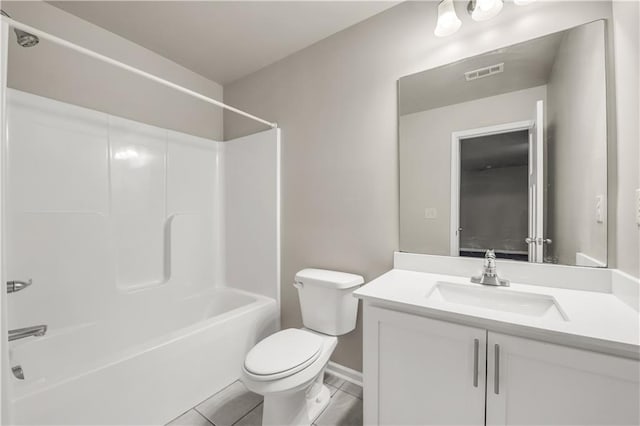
(145, 367)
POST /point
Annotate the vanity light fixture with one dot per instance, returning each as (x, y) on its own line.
(448, 21)
(481, 10)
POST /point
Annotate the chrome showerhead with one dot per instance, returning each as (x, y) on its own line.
(25, 39)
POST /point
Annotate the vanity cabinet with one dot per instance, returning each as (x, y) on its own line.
(533, 382)
(422, 371)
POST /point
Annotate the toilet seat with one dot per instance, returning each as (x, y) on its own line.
(282, 354)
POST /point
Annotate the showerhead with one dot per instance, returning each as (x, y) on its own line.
(25, 39)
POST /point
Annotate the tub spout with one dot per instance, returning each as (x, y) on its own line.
(21, 333)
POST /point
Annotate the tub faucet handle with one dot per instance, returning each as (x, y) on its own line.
(13, 286)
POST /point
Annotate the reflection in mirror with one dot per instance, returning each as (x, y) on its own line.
(508, 151)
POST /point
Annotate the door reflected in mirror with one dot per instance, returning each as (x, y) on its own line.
(508, 151)
(493, 193)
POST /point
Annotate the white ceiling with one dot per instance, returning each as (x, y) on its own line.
(224, 40)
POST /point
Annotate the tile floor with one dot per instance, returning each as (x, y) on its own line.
(236, 406)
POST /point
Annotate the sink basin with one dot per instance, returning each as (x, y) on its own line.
(498, 299)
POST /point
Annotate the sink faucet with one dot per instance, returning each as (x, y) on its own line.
(21, 333)
(489, 275)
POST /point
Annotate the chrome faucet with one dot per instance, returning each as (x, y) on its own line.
(489, 275)
(21, 333)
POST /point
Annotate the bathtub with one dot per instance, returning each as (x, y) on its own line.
(146, 366)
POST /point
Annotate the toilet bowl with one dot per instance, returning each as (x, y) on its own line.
(288, 366)
(293, 388)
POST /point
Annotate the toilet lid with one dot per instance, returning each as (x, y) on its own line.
(283, 353)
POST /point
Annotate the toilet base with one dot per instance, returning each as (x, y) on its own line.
(299, 408)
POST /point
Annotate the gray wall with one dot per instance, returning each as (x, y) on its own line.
(59, 73)
(425, 156)
(626, 175)
(336, 102)
(576, 143)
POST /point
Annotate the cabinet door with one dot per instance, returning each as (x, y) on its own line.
(536, 383)
(419, 371)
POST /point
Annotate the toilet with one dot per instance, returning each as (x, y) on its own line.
(288, 366)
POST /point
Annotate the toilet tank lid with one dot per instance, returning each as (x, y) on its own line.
(330, 279)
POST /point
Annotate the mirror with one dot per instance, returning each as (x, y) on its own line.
(508, 151)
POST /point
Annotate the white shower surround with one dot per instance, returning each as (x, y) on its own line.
(122, 227)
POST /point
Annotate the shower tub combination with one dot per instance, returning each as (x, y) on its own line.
(138, 267)
(144, 372)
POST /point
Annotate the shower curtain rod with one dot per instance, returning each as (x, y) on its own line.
(103, 58)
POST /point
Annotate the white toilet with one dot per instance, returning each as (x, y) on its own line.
(288, 366)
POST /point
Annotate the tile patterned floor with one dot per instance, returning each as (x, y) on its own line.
(236, 406)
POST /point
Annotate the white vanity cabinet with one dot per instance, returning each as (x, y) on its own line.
(422, 371)
(533, 382)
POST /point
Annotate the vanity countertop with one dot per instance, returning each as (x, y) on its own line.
(597, 321)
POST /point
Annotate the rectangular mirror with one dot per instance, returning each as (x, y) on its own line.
(508, 151)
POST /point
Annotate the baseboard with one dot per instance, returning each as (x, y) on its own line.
(345, 373)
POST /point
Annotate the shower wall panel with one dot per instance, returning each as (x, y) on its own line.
(104, 212)
(252, 213)
(138, 157)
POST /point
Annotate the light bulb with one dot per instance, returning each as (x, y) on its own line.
(481, 10)
(448, 22)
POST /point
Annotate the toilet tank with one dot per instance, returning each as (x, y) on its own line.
(326, 300)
